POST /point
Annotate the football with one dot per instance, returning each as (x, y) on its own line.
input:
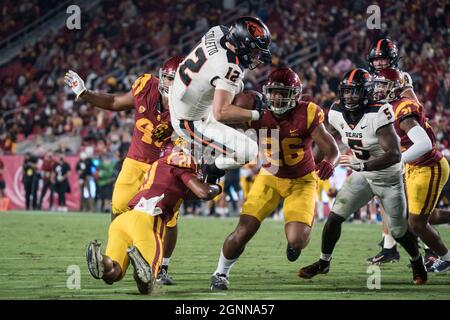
(246, 99)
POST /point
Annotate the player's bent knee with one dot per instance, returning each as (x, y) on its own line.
(334, 219)
(398, 231)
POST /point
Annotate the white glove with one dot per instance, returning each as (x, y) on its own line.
(352, 163)
(74, 82)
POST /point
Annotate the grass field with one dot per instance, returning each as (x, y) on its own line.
(38, 247)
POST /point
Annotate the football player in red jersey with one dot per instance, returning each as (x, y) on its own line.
(136, 235)
(288, 172)
(149, 97)
(427, 170)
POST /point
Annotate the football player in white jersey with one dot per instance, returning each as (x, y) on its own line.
(367, 128)
(205, 85)
(383, 55)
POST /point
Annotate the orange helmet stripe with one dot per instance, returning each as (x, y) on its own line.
(350, 78)
(379, 45)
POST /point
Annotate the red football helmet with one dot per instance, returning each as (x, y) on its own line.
(387, 85)
(168, 72)
(282, 89)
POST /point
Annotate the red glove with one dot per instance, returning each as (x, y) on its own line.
(326, 169)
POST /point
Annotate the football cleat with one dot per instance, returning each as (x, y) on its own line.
(385, 256)
(142, 271)
(219, 282)
(164, 278)
(420, 275)
(440, 266)
(94, 259)
(292, 254)
(318, 267)
(430, 258)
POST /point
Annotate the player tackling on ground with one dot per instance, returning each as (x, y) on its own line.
(137, 234)
(367, 128)
(149, 97)
(205, 85)
(288, 173)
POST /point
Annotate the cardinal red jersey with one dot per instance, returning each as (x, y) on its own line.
(404, 108)
(149, 116)
(168, 176)
(287, 142)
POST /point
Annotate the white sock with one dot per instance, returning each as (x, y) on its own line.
(389, 241)
(165, 261)
(446, 257)
(224, 265)
(324, 256)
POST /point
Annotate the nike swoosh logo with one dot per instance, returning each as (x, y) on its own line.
(363, 127)
(293, 131)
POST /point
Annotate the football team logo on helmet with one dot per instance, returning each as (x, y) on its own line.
(254, 29)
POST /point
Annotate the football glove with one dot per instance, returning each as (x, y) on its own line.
(260, 104)
(74, 82)
(161, 132)
(325, 169)
(352, 163)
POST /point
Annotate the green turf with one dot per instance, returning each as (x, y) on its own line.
(38, 247)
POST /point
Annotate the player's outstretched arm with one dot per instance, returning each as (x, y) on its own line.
(203, 190)
(113, 102)
(225, 111)
(418, 136)
(388, 140)
(327, 145)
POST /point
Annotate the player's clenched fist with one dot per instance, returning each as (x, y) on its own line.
(325, 169)
(74, 82)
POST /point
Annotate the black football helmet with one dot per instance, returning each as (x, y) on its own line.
(251, 39)
(384, 49)
(355, 89)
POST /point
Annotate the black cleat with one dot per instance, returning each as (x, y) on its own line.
(385, 256)
(430, 258)
(219, 282)
(164, 278)
(142, 271)
(420, 275)
(318, 267)
(292, 254)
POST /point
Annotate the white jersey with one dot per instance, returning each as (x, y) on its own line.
(362, 137)
(209, 66)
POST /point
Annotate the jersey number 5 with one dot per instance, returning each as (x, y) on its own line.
(356, 146)
(192, 65)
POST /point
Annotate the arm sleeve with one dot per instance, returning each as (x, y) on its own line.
(421, 144)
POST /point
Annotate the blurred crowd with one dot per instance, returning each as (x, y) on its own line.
(107, 53)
